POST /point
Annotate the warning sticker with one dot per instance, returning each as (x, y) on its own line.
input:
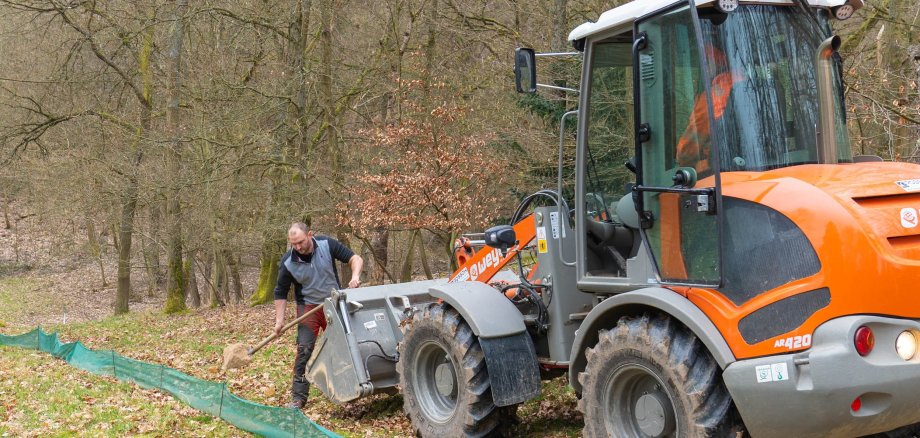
(909, 185)
(541, 240)
(776, 372)
(370, 324)
(780, 372)
(554, 223)
(764, 374)
(380, 317)
(463, 275)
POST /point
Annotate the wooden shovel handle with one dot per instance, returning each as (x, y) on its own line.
(274, 336)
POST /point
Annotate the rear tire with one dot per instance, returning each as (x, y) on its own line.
(651, 377)
(443, 377)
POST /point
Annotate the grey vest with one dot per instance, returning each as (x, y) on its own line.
(317, 277)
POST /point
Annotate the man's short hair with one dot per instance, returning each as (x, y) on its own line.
(299, 226)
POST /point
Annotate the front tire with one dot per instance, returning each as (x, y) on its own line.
(651, 377)
(911, 431)
(443, 377)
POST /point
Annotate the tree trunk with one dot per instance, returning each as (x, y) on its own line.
(298, 63)
(114, 230)
(192, 284)
(380, 242)
(224, 280)
(430, 47)
(405, 274)
(175, 283)
(424, 256)
(268, 274)
(236, 285)
(217, 282)
(6, 215)
(560, 25)
(129, 196)
(913, 53)
(448, 242)
(326, 88)
(125, 232)
(151, 252)
(345, 274)
(151, 259)
(95, 249)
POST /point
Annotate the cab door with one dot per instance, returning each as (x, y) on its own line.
(678, 187)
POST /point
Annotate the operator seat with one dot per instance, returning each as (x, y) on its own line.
(613, 242)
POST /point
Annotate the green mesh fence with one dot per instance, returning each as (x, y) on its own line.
(210, 397)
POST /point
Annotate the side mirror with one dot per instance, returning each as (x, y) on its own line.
(525, 70)
(501, 237)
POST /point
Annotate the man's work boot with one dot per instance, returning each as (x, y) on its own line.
(296, 403)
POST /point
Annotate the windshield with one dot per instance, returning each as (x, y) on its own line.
(764, 93)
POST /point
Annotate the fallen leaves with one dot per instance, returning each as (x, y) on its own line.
(41, 396)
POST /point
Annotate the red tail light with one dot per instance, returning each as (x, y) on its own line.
(864, 340)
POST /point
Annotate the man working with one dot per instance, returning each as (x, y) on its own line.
(309, 265)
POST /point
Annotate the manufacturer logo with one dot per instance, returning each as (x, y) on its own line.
(908, 217)
(491, 259)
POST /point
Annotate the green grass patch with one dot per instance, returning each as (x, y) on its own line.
(42, 394)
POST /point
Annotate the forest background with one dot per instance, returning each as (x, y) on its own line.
(169, 144)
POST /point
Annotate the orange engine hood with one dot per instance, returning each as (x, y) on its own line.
(861, 219)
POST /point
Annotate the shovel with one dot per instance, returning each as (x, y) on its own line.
(238, 355)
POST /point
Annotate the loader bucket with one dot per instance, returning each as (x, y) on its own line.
(356, 355)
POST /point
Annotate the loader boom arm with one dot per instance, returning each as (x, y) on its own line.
(485, 263)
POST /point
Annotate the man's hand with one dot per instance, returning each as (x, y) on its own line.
(279, 315)
(356, 263)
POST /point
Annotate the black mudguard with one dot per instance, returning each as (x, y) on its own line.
(513, 370)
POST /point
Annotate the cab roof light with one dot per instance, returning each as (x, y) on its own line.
(844, 11)
(726, 6)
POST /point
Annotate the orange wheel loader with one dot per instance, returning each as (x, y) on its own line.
(743, 274)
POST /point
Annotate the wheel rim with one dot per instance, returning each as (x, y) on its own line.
(636, 404)
(435, 382)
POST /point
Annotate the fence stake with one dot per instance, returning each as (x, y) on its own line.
(220, 410)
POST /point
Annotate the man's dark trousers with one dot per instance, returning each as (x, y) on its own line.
(307, 332)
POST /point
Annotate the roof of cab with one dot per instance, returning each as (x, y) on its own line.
(630, 12)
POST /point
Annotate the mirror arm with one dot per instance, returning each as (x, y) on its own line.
(553, 87)
(558, 54)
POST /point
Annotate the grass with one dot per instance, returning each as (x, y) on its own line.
(18, 299)
(43, 396)
(47, 397)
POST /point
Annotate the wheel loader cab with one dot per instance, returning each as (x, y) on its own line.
(738, 94)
